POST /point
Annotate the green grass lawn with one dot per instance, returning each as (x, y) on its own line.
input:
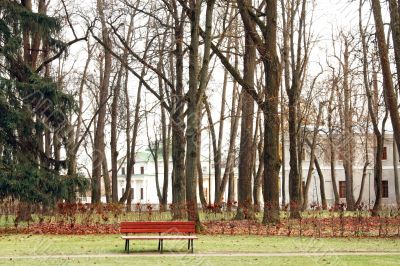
(113, 244)
(234, 260)
(42, 245)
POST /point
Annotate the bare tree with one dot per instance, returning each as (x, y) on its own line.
(245, 201)
(266, 46)
(114, 119)
(373, 114)
(389, 92)
(312, 144)
(295, 60)
(99, 145)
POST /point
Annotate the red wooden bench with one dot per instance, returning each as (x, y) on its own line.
(165, 231)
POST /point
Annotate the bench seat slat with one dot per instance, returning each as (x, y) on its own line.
(157, 227)
(144, 231)
(157, 224)
(159, 237)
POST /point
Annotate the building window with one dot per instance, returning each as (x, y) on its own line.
(132, 194)
(142, 170)
(141, 193)
(123, 170)
(384, 153)
(342, 189)
(385, 189)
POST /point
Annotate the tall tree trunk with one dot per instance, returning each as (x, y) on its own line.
(192, 130)
(106, 180)
(283, 187)
(245, 202)
(257, 187)
(230, 160)
(73, 144)
(154, 148)
(294, 176)
(165, 153)
(200, 174)
(332, 146)
(389, 93)
(231, 190)
(218, 152)
(321, 184)
(272, 162)
(364, 172)
(395, 26)
(178, 124)
(269, 101)
(195, 96)
(131, 137)
(113, 142)
(114, 119)
(348, 136)
(293, 92)
(362, 186)
(379, 135)
(312, 157)
(99, 144)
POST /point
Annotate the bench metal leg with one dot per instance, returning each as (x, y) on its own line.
(161, 250)
(192, 245)
(159, 245)
(126, 244)
(189, 244)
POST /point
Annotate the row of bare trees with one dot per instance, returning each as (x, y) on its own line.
(240, 71)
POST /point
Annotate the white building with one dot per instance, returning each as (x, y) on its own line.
(143, 182)
(323, 156)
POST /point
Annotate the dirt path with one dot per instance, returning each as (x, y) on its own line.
(236, 254)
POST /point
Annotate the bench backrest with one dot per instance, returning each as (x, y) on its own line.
(157, 227)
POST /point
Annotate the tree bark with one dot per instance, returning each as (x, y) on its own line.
(235, 114)
(195, 96)
(332, 147)
(131, 137)
(312, 157)
(266, 46)
(390, 96)
(395, 26)
(348, 136)
(245, 201)
(178, 124)
(321, 184)
(99, 145)
(114, 120)
(257, 187)
(283, 187)
(200, 174)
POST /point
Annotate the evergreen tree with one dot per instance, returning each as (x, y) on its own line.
(29, 105)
